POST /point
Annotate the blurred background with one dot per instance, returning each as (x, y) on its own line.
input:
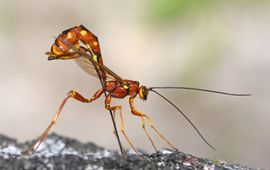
(220, 45)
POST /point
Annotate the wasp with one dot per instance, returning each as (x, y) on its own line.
(81, 45)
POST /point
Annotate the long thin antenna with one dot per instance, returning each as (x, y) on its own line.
(183, 114)
(203, 90)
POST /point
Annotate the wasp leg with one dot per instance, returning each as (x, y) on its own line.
(148, 136)
(72, 94)
(114, 118)
(114, 109)
(137, 113)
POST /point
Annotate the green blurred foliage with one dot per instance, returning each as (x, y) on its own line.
(162, 11)
(204, 55)
(166, 10)
(7, 17)
(203, 59)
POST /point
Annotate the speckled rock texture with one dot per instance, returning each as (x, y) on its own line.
(58, 152)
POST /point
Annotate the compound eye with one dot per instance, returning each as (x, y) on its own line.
(143, 92)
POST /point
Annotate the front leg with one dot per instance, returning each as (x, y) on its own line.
(142, 115)
(72, 94)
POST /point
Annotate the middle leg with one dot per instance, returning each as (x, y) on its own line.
(114, 109)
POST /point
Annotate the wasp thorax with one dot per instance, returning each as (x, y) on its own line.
(143, 92)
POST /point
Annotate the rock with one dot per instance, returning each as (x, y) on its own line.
(57, 152)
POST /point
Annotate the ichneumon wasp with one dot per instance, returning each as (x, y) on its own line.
(81, 45)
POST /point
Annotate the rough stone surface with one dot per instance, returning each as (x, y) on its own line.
(58, 152)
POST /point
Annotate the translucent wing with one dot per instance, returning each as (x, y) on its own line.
(88, 67)
(88, 56)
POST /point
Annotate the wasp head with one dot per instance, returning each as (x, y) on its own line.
(143, 92)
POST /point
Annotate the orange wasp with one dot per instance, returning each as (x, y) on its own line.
(80, 44)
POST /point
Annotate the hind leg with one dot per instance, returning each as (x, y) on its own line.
(72, 94)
